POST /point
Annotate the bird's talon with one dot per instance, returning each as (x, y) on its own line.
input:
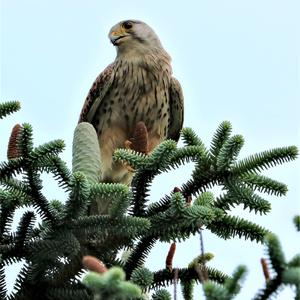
(129, 168)
(128, 144)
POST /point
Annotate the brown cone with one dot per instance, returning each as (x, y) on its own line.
(169, 259)
(93, 264)
(13, 151)
(265, 268)
(139, 140)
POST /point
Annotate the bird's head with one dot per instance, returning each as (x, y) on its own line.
(133, 35)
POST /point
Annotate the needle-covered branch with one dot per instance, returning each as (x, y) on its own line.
(99, 219)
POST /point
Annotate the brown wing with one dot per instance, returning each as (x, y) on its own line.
(96, 94)
(176, 110)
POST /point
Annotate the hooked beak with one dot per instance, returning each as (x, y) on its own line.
(116, 35)
(115, 39)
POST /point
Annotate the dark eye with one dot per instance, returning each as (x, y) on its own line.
(127, 25)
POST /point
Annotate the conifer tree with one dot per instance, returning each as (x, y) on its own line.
(72, 237)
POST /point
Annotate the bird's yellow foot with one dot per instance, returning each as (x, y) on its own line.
(128, 144)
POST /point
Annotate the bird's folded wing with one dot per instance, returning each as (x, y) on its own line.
(176, 110)
(96, 94)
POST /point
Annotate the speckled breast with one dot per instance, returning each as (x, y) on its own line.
(138, 93)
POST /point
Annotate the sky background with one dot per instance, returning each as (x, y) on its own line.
(236, 60)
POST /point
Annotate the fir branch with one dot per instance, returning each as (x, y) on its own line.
(140, 188)
(187, 154)
(19, 192)
(163, 278)
(112, 285)
(67, 271)
(78, 200)
(220, 137)
(264, 184)
(275, 253)
(190, 138)
(226, 291)
(187, 288)
(215, 292)
(238, 194)
(120, 204)
(232, 284)
(296, 221)
(229, 226)
(265, 160)
(130, 157)
(269, 290)
(11, 168)
(295, 261)
(291, 276)
(143, 277)
(159, 159)
(229, 152)
(156, 207)
(20, 284)
(11, 255)
(161, 294)
(182, 220)
(3, 290)
(74, 291)
(6, 212)
(39, 200)
(205, 199)
(139, 254)
(62, 244)
(24, 229)
(127, 225)
(55, 165)
(9, 107)
(111, 190)
(200, 183)
(52, 148)
(285, 273)
(108, 198)
(25, 143)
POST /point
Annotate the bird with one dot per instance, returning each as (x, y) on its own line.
(138, 86)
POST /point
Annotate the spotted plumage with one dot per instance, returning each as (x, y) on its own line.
(137, 86)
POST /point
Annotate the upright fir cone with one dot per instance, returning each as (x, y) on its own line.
(12, 150)
(140, 142)
(265, 268)
(169, 259)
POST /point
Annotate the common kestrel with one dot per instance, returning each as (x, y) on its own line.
(137, 86)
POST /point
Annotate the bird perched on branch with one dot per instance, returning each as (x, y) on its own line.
(137, 87)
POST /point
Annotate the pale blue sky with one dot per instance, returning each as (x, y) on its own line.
(236, 60)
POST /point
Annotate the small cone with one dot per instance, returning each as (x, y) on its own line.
(265, 269)
(93, 264)
(169, 259)
(12, 150)
(139, 140)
